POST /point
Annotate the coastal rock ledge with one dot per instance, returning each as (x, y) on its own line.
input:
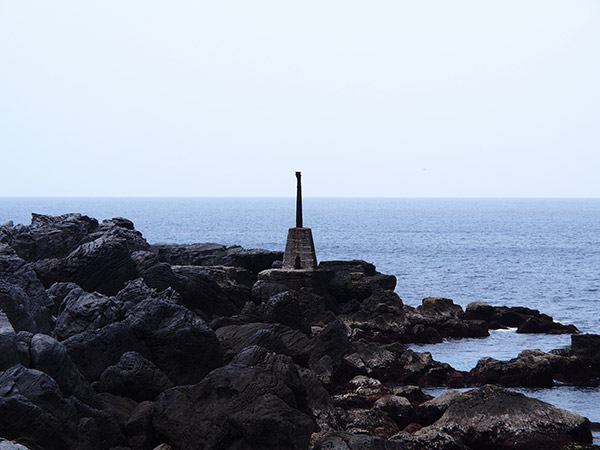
(110, 343)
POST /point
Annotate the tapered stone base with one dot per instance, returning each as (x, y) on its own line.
(300, 250)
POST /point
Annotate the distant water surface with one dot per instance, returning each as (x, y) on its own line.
(544, 254)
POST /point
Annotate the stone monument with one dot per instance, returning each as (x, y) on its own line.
(299, 248)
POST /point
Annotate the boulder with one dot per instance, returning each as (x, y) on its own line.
(49, 236)
(208, 254)
(9, 355)
(340, 440)
(51, 357)
(275, 337)
(81, 311)
(103, 264)
(431, 410)
(134, 377)
(139, 429)
(355, 280)
(235, 406)
(531, 368)
(22, 296)
(374, 422)
(427, 438)
(495, 418)
(203, 295)
(397, 408)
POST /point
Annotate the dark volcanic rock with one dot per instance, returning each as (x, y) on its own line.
(355, 280)
(34, 411)
(531, 368)
(169, 335)
(48, 236)
(102, 265)
(22, 296)
(495, 418)
(235, 406)
(339, 440)
(430, 411)
(9, 355)
(134, 377)
(255, 260)
(203, 295)
(50, 356)
(275, 337)
(81, 311)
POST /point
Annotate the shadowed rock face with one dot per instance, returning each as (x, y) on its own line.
(235, 406)
(495, 418)
(22, 296)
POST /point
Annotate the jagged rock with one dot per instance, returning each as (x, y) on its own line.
(136, 291)
(530, 368)
(360, 393)
(339, 440)
(208, 254)
(102, 265)
(33, 410)
(413, 394)
(397, 408)
(327, 350)
(275, 337)
(9, 355)
(51, 357)
(587, 348)
(139, 429)
(169, 335)
(374, 422)
(202, 294)
(22, 296)
(49, 236)
(429, 439)
(284, 308)
(134, 377)
(430, 411)
(319, 404)
(273, 281)
(181, 344)
(280, 366)
(156, 274)
(495, 418)
(57, 293)
(439, 308)
(379, 318)
(81, 311)
(355, 280)
(239, 405)
(120, 408)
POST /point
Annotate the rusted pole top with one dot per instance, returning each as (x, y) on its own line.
(298, 201)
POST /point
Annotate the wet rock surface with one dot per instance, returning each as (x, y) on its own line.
(107, 342)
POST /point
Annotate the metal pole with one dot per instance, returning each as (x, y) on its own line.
(298, 201)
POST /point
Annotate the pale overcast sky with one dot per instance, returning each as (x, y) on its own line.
(368, 98)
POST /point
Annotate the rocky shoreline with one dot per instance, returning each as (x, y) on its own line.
(108, 342)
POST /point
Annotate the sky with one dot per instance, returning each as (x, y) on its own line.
(431, 98)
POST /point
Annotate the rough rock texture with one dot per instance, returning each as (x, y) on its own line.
(495, 418)
(254, 260)
(169, 335)
(134, 377)
(22, 296)
(235, 406)
(80, 311)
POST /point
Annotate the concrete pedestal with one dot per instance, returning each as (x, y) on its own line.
(300, 250)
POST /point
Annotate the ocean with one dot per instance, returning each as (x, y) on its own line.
(539, 253)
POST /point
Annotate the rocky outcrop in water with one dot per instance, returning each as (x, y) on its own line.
(107, 342)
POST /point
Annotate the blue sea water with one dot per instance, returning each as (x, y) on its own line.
(539, 253)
